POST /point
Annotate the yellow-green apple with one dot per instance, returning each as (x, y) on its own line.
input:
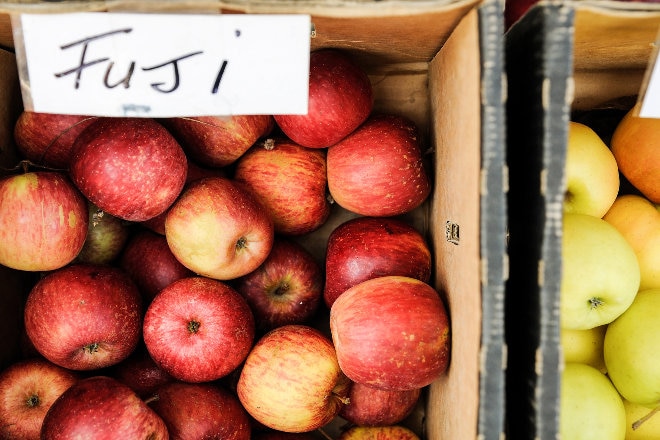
(635, 144)
(638, 220)
(641, 423)
(291, 380)
(218, 141)
(291, 182)
(584, 346)
(46, 138)
(392, 432)
(286, 288)
(193, 411)
(599, 272)
(106, 237)
(131, 168)
(101, 408)
(368, 247)
(198, 329)
(591, 172)
(630, 347)
(84, 316)
(219, 229)
(43, 221)
(378, 170)
(391, 333)
(340, 99)
(369, 406)
(147, 258)
(27, 390)
(140, 373)
(590, 407)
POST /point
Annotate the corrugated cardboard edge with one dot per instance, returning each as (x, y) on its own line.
(562, 56)
(539, 69)
(493, 223)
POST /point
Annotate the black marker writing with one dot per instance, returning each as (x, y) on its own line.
(83, 62)
(175, 64)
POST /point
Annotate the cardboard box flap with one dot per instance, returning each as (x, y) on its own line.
(614, 42)
(441, 64)
(562, 58)
(403, 31)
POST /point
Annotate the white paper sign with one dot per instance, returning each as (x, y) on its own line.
(165, 65)
(649, 96)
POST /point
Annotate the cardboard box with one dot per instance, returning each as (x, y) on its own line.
(441, 64)
(583, 61)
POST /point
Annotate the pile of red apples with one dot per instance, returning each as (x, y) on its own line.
(175, 294)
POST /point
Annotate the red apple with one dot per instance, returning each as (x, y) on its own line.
(286, 288)
(201, 411)
(43, 221)
(217, 141)
(291, 182)
(131, 168)
(219, 229)
(106, 237)
(391, 333)
(147, 258)
(46, 138)
(27, 390)
(84, 316)
(140, 373)
(195, 172)
(369, 406)
(279, 435)
(378, 170)
(369, 247)
(101, 408)
(198, 329)
(291, 380)
(394, 432)
(514, 10)
(340, 99)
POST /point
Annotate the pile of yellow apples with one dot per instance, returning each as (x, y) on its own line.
(610, 283)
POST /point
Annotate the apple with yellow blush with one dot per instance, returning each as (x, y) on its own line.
(638, 220)
(636, 147)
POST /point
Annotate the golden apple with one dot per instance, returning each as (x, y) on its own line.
(631, 347)
(590, 407)
(592, 174)
(641, 422)
(600, 272)
(636, 147)
(584, 346)
(639, 221)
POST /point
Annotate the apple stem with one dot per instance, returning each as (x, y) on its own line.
(152, 398)
(324, 434)
(639, 422)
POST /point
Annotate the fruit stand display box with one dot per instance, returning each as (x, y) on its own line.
(566, 61)
(439, 63)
